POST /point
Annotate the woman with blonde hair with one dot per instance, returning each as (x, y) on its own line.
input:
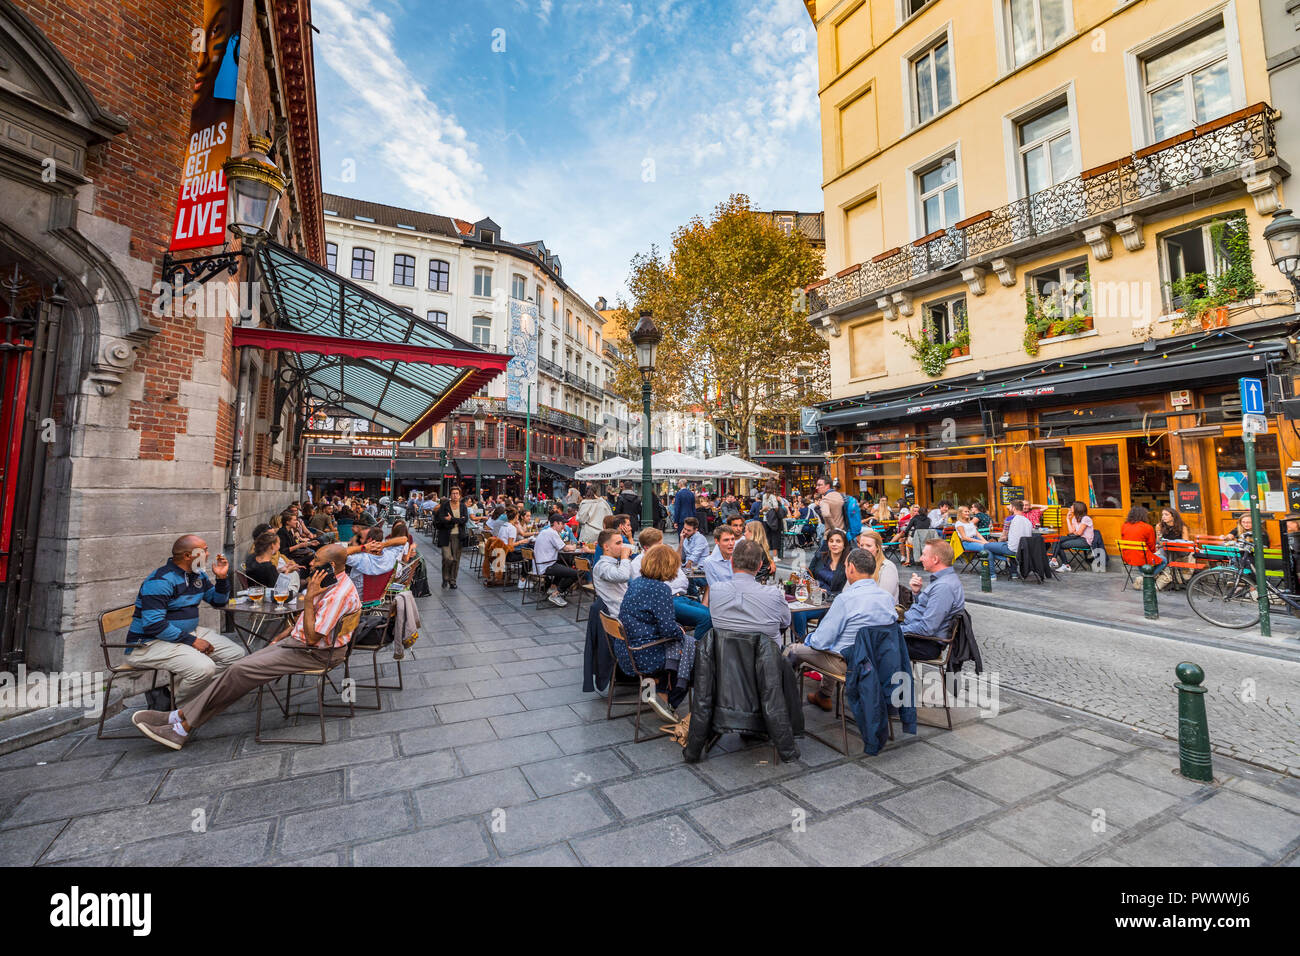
(756, 531)
(886, 573)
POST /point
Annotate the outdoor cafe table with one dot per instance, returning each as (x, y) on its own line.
(249, 618)
(803, 612)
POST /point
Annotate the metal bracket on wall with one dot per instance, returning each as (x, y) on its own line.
(199, 269)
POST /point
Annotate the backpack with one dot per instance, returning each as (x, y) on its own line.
(774, 519)
(852, 516)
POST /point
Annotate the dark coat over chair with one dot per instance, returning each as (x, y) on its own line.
(741, 685)
(1031, 558)
(878, 663)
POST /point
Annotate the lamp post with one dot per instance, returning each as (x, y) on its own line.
(480, 419)
(255, 185)
(646, 337)
(1283, 238)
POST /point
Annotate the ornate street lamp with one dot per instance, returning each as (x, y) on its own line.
(480, 419)
(1283, 238)
(256, 185)
(646, 337)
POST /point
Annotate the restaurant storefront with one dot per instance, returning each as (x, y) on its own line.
(1161, 431)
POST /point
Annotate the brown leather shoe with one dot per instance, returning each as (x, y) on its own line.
(823, 702)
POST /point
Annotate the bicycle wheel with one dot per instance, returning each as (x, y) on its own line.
(1224, 597)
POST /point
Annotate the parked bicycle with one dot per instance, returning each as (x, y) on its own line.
(1226, 595)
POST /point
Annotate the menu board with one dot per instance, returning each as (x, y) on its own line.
(1011, 493)
(1189, 498)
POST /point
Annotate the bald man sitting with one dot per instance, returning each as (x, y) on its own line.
(165, 631)
(307, 645)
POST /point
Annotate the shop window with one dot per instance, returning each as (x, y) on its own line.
(1105, 484)
(1150, 474)
(1230, 463)
(1059, 468)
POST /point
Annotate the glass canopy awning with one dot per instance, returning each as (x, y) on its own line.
(361, 356)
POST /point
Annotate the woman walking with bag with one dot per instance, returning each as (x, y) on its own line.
(449, 526)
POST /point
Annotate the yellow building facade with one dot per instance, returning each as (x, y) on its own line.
(1045, 263)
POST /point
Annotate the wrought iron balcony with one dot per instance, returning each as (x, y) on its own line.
(550, 368)
(1228, 148)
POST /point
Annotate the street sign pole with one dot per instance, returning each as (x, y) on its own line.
(1252, 418)
(1259, 534)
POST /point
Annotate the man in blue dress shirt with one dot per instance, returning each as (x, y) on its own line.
(717, 566)
(861, 604)
(927, 621)
(692, 545)
(683, 504)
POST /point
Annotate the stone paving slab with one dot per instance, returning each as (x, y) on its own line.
(494, 755)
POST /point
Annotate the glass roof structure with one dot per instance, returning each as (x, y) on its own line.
(359, 355)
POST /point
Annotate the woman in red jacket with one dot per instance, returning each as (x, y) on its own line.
(1138, 527)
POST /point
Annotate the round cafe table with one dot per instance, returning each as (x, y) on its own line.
(260, 620)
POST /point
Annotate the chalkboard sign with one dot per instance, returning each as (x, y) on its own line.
(909, 495)
(1012, 493)
(1293, 496)
(1189, 498)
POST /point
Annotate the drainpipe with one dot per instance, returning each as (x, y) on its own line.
(237, 454)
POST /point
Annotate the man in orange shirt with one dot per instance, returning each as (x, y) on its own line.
(305, 646)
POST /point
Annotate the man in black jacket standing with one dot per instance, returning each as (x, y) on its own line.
(629, 503)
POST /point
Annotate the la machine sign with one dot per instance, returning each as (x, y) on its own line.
(372, 451)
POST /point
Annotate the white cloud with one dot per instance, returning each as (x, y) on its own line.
(393, 128)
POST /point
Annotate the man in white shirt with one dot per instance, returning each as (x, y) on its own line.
(693, 547)
(939, 516)
(717, 566)
(546, 551)
(1018, 527)
(613, 571)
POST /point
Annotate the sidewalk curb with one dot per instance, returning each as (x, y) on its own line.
(47, 723)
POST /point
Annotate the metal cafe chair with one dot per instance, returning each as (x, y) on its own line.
(110, 622)
(615, 634)
(346, 625)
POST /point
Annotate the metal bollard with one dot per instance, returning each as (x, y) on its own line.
(986, 582)
(1193, 731)
(1150, 606)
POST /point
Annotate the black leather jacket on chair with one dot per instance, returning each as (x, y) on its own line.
(742, 685)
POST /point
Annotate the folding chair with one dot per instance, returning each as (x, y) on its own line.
(941, 663)
(346, 625)
(1132, 554)
(959, 552)
(585, 586)
(1078, 557)
(1182, 557)
(376, 640)
(614, 633)
(109, 622)
(532, 580)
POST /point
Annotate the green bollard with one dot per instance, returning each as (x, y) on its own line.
(1150, 607)
(986, 582)
(1193, 731)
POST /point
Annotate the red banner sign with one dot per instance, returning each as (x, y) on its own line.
(201, 207)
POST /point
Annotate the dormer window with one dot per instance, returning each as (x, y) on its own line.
(487, 235)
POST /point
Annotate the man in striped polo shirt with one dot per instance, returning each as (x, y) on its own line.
(309, 644)
(165, 631)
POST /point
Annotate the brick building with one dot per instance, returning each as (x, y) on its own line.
(95, 100)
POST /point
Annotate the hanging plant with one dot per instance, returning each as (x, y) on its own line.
(933, 355)
(1200, 295)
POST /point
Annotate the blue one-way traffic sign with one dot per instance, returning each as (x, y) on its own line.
(1252, 397)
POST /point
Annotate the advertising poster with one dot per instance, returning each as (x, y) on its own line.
(201, 207)
(521, 340)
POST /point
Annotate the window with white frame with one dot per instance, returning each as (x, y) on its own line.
(1201, 253)
(439, 275)
(947, 318)
(404, 270)
(939, 195)
(909, 8)
(483, 281)
(932, 91)
(518, 287)
(482, 331)
(555, 312)
(1046, 144)
(332, 256)
(438, 318)
(363, 264)
(1188, 82)
(1035, 26)
(1062, 291)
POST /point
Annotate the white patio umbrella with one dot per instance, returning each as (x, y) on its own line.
(605, 470)
(730, 466)
(670, 464)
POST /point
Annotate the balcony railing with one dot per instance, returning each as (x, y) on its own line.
(1232, 143)
(551, 368)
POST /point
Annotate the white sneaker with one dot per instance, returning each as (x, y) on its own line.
(1061, 569)
(557, 600)
(522, 584)
(1054, 563)
(662, 709)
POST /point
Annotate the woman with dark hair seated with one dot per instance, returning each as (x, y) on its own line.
(1138, 528)
(260, 565)
(828, 564)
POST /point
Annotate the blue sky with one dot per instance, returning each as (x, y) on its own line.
(599, 128)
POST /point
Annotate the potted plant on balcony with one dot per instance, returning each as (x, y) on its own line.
(931, 354)
(1203, 299)
(1045, 316)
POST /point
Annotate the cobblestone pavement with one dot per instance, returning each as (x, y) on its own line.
(1253, 701)
(492, 754)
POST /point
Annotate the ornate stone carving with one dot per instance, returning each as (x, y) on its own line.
(1098, 240)
(1263, 189)
(1129, 229)
(1006, 270)
(887, 307)
(903, 303)
(114, 360)
(974, 279)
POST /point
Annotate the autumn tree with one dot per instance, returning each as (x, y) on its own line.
(726, 297)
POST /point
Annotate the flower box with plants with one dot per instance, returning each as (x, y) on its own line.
(1046, 318)
(933, 355)
(1201, 299)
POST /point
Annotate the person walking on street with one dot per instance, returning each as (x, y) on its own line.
(449, 525)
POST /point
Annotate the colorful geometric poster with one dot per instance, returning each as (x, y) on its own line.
(1234, 494)
(521, 371)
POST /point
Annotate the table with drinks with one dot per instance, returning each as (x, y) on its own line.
(251, 611)
(808, 600)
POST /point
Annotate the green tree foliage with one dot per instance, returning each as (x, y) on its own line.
(728, 299)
